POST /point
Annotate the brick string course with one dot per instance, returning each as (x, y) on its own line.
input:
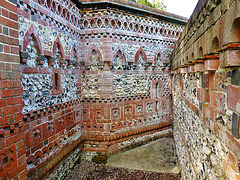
(206, 92)
(74, 77)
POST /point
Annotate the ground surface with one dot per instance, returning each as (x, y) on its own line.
(156, 161)
(155, 156)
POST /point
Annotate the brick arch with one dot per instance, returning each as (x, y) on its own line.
(32, 31)
(57, 41)
(235, 30)
(119, 48)
(161, 55)
(214, 44)
(200, 52)
(138, 52)
(94, 47)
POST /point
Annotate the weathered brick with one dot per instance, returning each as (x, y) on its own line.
(211, 64)
(202, 95)
(233, 98)
(217, 101)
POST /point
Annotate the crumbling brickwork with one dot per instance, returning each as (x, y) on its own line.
(76, 76)
(206, 92)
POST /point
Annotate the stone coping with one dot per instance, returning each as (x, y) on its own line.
(148, 11)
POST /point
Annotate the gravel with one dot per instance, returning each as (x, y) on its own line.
(86, 170)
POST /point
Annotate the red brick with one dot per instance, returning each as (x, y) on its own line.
(203, 95)
(18, 116)
(209, 112)
(8, 6)
(6, 49)
(15, 138)
(230, 58)
(232, 143)
(13, 16)
(20, 144)
(2, 66)
(23, 174)
(3, 120)
(217, 101)
(15, 67)
(10, 118)
(22, 159)
(18, 100)
(229, 172)
(17, 84)
(17, 170)
(3, 103)
(199, 67)
(8, 57)
(10, 101)
(11, 92)
(9, 40)
(14, 50)
(211, 64)
(233, 161)
(9, 84)
(2, 144)
(12, 109)
(5, 12)
(233, 98)
(2, 84)
(21, 152)
(8, 66)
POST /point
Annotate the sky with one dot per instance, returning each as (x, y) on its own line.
(181, 7)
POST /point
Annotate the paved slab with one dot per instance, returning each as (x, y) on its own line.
(156, 156)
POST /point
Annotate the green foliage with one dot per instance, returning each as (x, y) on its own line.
(158, 4)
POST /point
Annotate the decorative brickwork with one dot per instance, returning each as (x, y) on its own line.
(70, 73)
(206, 92)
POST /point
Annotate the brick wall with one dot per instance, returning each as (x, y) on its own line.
(126, 84)
(12, 146)
(77, 72)
(206, 92)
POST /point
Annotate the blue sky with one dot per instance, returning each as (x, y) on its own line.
(181, 7)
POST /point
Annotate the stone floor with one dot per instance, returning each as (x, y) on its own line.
(155, 160)
(156, 156)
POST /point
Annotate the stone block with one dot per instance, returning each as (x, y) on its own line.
(236, 77)
(24, 55)
(235, 125)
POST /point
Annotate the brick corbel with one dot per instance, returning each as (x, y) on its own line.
(211, 64)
